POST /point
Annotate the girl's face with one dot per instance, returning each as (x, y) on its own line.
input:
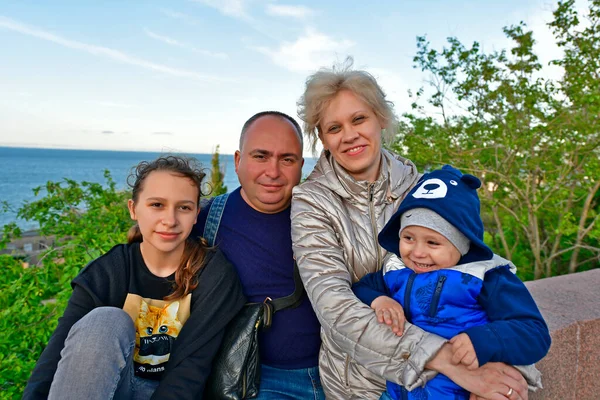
(166, 211)
(351, 132)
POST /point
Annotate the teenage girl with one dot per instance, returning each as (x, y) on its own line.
(146, 319)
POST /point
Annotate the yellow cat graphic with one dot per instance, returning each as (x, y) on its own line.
(157, 324)
(156, 330)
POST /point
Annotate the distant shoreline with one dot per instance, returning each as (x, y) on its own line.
(24, 168)
(172, 151)
(28, 233)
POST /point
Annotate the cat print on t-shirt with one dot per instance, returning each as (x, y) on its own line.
(157, 325)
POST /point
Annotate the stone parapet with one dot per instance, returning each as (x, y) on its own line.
(29, 247)
(571, 306)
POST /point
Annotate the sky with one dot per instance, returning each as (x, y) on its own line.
(184, 75)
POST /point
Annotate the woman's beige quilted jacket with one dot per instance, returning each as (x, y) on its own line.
(335, 222)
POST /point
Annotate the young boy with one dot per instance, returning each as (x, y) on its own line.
(450, 283)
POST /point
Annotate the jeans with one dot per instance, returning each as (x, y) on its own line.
(290, 384)
(97, 360)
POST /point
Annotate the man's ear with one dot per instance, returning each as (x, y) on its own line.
(236, 159)
(131, 207)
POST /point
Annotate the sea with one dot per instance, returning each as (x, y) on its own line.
(23, 169)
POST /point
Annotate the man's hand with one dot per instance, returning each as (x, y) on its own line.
(463, 351)
(390, 312)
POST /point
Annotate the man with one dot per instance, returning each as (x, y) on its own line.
(254, 233)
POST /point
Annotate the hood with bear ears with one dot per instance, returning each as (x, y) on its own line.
(452, 195)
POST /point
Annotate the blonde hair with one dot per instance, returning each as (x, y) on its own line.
(326, 83)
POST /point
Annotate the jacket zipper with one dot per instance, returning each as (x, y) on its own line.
(435, 300)
(244, 375)
(244, 386)
(346, 368)
(407, 292)
(374, 224)
(404, 393)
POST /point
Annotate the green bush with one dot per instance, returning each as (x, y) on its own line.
(86, 219)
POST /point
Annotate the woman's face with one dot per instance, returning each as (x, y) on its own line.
(351, 132)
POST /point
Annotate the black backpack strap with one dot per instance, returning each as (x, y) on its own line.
(211, 227)
(213, 220)
(294, 299)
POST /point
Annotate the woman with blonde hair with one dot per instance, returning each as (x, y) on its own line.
(336, 215)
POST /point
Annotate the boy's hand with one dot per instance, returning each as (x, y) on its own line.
(463, 351)
(390, 312)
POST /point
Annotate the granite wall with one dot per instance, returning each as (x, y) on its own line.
(571, 306)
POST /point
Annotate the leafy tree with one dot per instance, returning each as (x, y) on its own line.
(217, 174)
(581, 88)
(535, 141)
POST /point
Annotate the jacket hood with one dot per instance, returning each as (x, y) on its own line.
(452, 195)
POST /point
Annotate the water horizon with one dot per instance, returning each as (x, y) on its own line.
(24, 168)
(61, 147)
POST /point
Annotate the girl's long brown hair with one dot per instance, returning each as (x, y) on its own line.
(192, 259)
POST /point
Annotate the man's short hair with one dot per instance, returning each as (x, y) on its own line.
(279, 114)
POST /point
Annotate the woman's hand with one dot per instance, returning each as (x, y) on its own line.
(390, 312)
(492, 381)
(495, 381)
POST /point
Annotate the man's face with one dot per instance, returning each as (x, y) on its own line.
(269, 164)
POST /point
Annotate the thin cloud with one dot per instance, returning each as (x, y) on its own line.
(232, 8)
(112, 104)
(163, 133)
(308, 52)
(164, 39)
(289, 11)
(237, 9)
(208, 53)
(176, 43)
(179, 16)
(101, 51)
(107, 132)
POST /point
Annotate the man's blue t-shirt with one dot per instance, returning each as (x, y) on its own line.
(260, 247)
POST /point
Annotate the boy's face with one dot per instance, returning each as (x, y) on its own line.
(425, 250)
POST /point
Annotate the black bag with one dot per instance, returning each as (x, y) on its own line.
(236, 367)
(235, 370)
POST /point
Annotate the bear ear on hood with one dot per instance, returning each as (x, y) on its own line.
(472, 181)
(449, 168)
